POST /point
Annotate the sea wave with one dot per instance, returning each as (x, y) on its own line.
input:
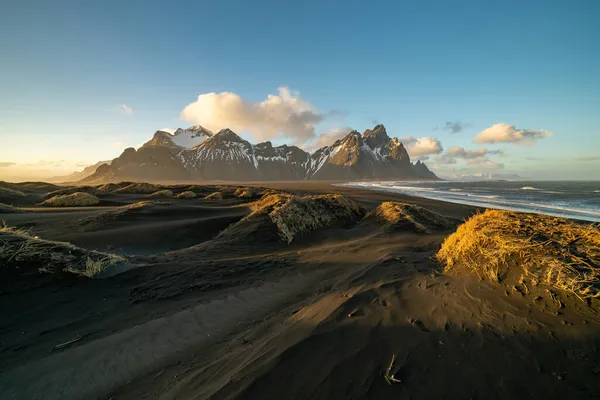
(540, 202)
(570, 209)
(412, 188)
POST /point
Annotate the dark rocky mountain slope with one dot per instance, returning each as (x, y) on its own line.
(198, 154)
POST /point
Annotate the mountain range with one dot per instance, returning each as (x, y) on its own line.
(78, 175)
(199, 154)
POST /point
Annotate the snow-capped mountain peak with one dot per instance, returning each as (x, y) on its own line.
(190, 137)
(197, 153)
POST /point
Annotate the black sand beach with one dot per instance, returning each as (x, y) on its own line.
(215, 304)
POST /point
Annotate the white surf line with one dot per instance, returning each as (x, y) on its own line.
(95, 369)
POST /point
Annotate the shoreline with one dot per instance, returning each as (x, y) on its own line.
(502, 204)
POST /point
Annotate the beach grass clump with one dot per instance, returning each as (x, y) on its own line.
(120, 212)
(196, 189)
(66, 191)
(404, 214)
(23, 253)
(295, 215)
(111, 187)
(188, 194)
(244, 193)
(543, 250)
(139, 188)
(78, 199)
(214, 196)
(162, 193)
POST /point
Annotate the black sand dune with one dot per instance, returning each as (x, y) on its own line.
(219, 303)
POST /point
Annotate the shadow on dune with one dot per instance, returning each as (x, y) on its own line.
(458, 363)
(437, 336)
(328, 330)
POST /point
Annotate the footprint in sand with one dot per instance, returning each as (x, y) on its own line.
(418, 323)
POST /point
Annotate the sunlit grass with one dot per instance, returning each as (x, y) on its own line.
(545, 250)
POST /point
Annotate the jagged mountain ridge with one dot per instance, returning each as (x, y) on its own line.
(372, 155)
(198, 154)
(78, 175)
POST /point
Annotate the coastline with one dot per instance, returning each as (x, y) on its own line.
(469, 198)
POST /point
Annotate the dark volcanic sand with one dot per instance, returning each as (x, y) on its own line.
(255, 318)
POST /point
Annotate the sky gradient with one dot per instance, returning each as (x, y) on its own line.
(82, 81)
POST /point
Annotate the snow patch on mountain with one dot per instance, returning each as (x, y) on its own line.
(191, 137)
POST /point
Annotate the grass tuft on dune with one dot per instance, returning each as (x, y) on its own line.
(162, 193)
(78, 189)
(295, 215)
(111, 187)
(403, 214)
(139, 188)
(129, 210)
(78, 199)
(242, 192)
(23, 253)
(543, 250)
(188, 194)
(214, 196)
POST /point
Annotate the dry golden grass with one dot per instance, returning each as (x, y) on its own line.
(139, 188)
(214, 196)
(94, 266)
(111, 187)
(19, 250)
(78, 189)
(295, 215)
(138, 205)
(77, 199)
(244, 193)
(120, 212)
(188, 194)
(162, 193)
(542, 249)
(391, 212)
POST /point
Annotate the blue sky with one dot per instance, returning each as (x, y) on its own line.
(67, 66)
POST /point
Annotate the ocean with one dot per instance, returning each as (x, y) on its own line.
(569, 199)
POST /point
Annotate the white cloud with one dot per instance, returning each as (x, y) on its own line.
(125, 109)
(474, 158)
(461, 152)
(286, 113)
(485, 163)
(168, 130)
(445, 159)
(418, 147)
(47, 163)
(328, 138)
(506, 133)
